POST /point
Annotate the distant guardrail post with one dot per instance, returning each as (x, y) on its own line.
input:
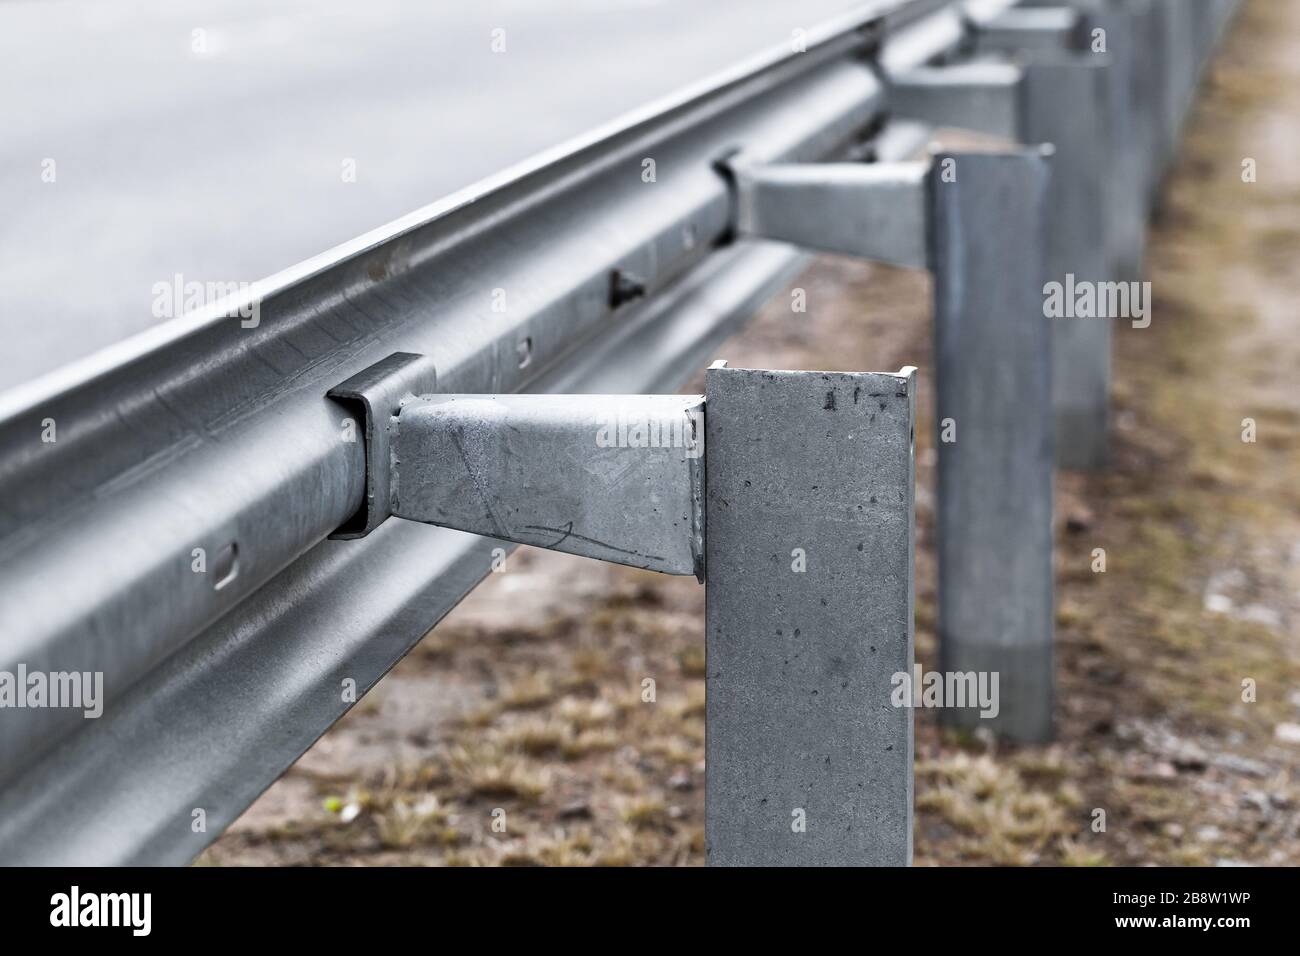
(1065, 99)
(995, 468)
(1065, 105)
(978, 221)
(1179, 56)
(1178, 40)
(809, 620)
(1109, 83)
(1120, 35)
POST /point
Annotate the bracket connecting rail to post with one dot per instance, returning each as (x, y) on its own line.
(614, 477)
(1030, 29)
(978, 221)
(805, 542)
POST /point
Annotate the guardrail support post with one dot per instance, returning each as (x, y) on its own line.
(1179, 56)
(1129, 107)
(979, 218)
(805, 541)
(1065, 100)
(1132, 37)
(810, 595)
(1057, 96)
(994, 500)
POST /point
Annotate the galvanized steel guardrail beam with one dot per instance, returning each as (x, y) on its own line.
(215, 431)
(216, 435)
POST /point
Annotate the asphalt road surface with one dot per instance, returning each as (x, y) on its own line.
(226, 141)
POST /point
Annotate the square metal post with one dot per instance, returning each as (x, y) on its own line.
(809, 479)
(1179, 57)
(994, 419)
(1139, 38)
(1065, 104)
(1057, 97)
(1131, 109)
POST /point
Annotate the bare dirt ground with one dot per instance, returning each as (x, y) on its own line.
(516, 733)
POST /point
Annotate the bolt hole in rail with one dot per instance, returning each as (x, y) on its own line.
(302, 459)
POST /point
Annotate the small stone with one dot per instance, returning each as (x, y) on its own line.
(576, 810)
(1228, 579)
(1218, 603)
(1192, 759)
(1287, 733)
(1078, 521)
(1258, 800)
(1243, 766)
(681, 780)
(1260, 614)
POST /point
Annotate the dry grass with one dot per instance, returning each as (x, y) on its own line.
(998, 816)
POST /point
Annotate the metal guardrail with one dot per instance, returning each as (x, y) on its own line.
(218, 436)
